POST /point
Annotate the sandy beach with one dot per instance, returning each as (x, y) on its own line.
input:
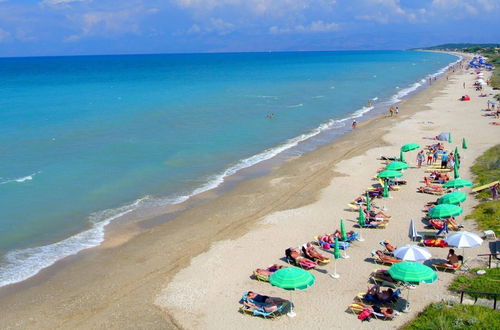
(190, 272)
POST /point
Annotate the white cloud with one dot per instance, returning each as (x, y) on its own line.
(106, 24)
(215, 25)
(258, 7)
(314, 27)
(63, 3)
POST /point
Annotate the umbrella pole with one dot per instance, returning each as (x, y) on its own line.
(291, 313)
(334, 275)
(345, 253)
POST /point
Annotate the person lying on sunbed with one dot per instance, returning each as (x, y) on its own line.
(378, 294)
(264, 273)
(427, 182)
(376, 215)
(294, 256)
(330, 238)
(388, 246)
(385, 258)
(311, 253)
(431, 190)
(385, 311)
(257, 301)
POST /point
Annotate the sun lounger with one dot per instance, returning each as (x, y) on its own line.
(359, 308)
(311, 253)
(380, 258)
(262, 274)
(342, 245)
(263, 309)
(446, 268)
(295, 258)
(430, 190)
(368, 297)
(378, 225)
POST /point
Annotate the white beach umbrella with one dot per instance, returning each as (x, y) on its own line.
(464, 239)
(412, 253)
(412, 231)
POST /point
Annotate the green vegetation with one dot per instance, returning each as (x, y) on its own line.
(445, 316)
(487, 215)
(486, 169)
(463, 47)
(489, 282)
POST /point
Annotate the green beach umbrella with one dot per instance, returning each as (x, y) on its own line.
(409, 147)
(464, 144)
(336, 249)
(413, 272)
(361, 217)
(456, 151)
(396, 166)
(401, 156)
(449, 137)
(389, 174)
(336, 254)
(457, 183)
(343, 233)
(455, 197)
(368, 206)
(385, 193)
(292, 278)
(444, 211)
(456, 175)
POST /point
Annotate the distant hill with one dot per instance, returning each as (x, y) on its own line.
(462, 47)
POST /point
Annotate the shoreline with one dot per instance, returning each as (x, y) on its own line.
(136, 217)
(313, 171)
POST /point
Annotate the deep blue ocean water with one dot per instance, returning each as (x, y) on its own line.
(86, 139)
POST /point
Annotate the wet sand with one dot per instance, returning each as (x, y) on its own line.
(189, 272)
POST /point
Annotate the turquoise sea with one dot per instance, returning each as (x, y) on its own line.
(88, 139)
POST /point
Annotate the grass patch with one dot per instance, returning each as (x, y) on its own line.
(487, 215)
(489, 282)
(443, 316)
(487, 169)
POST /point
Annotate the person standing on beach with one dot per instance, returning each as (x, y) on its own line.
(354, 123)
(444, 160)
(435, 156)
(420, 158)
(397, 110)
(391, 111)
(429, 157)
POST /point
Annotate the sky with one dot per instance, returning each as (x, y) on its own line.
(84, 27)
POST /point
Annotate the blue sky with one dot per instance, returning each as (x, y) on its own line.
(71, 27)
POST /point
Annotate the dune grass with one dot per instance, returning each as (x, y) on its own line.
(444, 316)
(487, 215)
(489, 282)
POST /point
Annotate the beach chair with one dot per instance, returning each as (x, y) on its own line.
(294, 257)
(446, 268)
(381, 258)
(358, 308)
(255, 308)
(378, 225)
(363, 296)
(326, 245)
(262, 274)
(311, 253)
